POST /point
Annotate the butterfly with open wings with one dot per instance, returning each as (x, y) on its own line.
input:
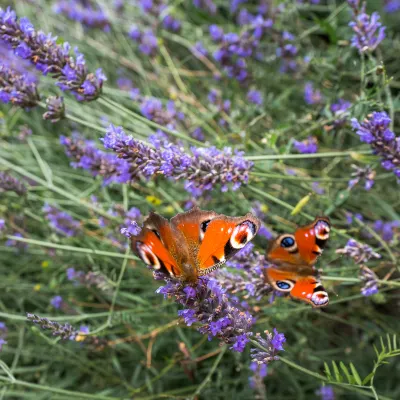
(193, 243)
(294, 257)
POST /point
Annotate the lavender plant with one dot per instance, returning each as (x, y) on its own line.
(234, 107)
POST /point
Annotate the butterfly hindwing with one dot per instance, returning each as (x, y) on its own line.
(306, 288)
(156, 245)
(303, 247)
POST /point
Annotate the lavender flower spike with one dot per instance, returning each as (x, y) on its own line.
(376, 132)
(359, 252)
(11, 184)
(207, 304)
(49, 57)
(370, 281)
(65, 331)
(61, 221)
(368, 31)
(16, 89)
(55, 109)
(269, 347)
(204, 168)
(84, 154)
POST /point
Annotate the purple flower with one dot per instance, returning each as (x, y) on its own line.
(10, 184)
(84, 154)
(57, 302)
(65, 331)
(49, 57)
(61, 221)
(368, 31)
(199, 47)
(392, 6)
(307, 146)
(278, 340)
(358, 251)
(268, 347)
(83, 12)
(366, 174)
(2, 224)
(317, 188)
(148, 43)
(132, 229)
(55, 109)
(326, 393)
(311, 95)
(386, 229)
(3, 334)
(204, 168)
(171, 24)
(375, 130)
(340, 111)
(89, 279)
(255, 97)
(17, 89)
(207, 304)
(256, 381)
(370, 280)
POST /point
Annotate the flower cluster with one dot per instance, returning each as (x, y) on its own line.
(206, 5)
(83, 12)
(204, 168)
(370, 281)
(368, 30)
(255, 97)
(49, 57)
(340, 111)
(157, 8)
(375, 130)
(17, 89)
(287, 52)
(307, 146)
(386, 229)
(89, 279)
(366, 174)
(61, 221)
(251, 281)
(206, 303)
(358, 251)
(235, 49)
(167, 116)
(3, 334)
(256, 381)
(392, 6)
(55, 109)
(326, 392)
(311, 95)
(268, 347)
(10, 184)
(65, 331)
(148, 43)
(87, 156)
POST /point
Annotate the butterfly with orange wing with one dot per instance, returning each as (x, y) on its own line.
(193, 243)
(294, 257)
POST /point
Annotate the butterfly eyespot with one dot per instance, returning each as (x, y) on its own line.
(320, 298)
(288, 242)
(322, 229)
(242, 234)
(284, 286)
(146, 254)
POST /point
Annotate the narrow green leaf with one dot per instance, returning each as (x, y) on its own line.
(327, 371)
(389, 343)
(346, 372)
(376, 351)
(368, 378)
(395, 342)
(355, 374)
(338, 377)
(383, 346)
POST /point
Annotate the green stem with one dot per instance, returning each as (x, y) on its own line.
(68, 393)
(71, 248)
(56, 189)
(306, 156)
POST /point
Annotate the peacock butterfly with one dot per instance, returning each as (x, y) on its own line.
(193, 243)
(294, 257)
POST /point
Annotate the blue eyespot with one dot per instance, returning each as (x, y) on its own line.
(283, 285)
(287, 242)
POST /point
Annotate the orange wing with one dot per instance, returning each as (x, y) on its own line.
(303, 288)
(156, 246)
(223, 238)
(303, 248)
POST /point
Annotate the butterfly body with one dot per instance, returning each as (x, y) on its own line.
(294, 257)
(193, 243)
